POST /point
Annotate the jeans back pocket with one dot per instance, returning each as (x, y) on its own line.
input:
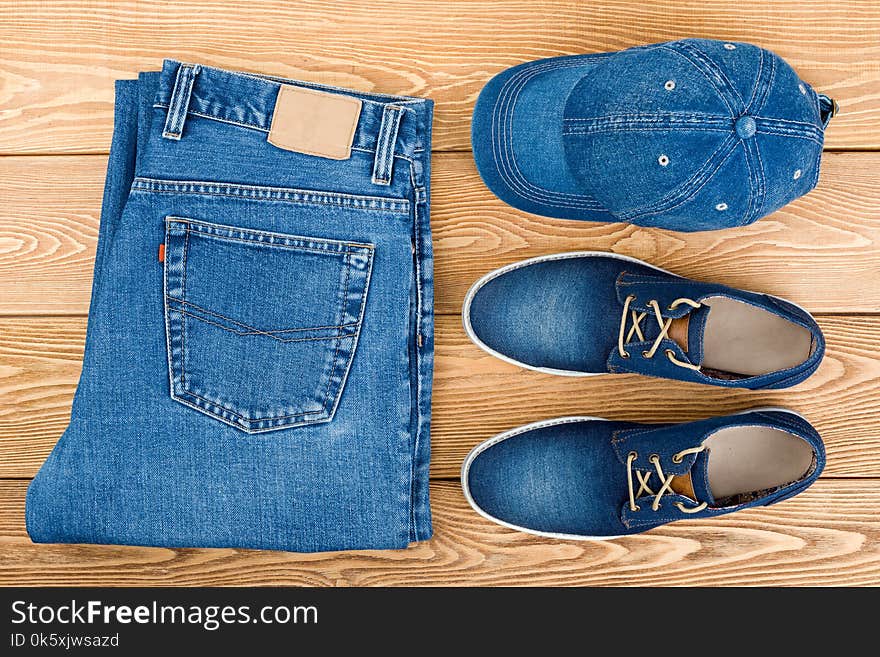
(261, 327)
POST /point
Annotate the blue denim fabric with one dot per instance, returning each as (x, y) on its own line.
(568, 477)
(266, 385)
(688, 135)
(562, 313)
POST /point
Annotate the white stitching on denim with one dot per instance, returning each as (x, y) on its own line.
(383, 165)
(697, 65)
(183, 320)
(690, 188)
(678, 117)
(765, 131)
(343, 379)
(180, 100)
(748, 147)
(208, 228)
(512, 166)
(252, 330)
(706, 64)
(342, 310)
(512, 176)
(756, 86)
(257, 242)
(762, 185)
(251, 126)
(257, 332)
(265, 193)
(214, 409)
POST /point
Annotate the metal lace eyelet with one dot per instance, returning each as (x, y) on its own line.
(637, 508)
(625, 354)
(670, 353)
(677, 458)
(645, 354)
(654, 458)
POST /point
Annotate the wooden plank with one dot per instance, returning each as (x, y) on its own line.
(59, 60)
(821, 251)
(476, 395)
(825, 536)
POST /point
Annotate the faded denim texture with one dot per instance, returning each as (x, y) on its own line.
(266, 381)
(688, 135)
(562, 313)
(568, 477)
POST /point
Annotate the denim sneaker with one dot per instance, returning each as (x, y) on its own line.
(589, 478)
(587, 313)
(687, 135)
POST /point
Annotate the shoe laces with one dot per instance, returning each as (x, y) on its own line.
(665, 481)
(623, 337)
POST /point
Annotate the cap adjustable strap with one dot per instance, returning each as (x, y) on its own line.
(828, 109)
(179, 103)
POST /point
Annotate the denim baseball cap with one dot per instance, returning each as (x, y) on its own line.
(687, 135)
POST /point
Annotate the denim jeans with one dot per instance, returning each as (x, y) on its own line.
(259, 352)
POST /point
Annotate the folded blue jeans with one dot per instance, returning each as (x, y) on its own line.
(259, 352)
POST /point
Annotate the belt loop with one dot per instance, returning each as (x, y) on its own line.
(383, 164)
(179, 103)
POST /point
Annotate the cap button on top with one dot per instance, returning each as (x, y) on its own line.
(745, 127)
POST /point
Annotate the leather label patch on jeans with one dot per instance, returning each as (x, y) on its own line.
(314, 122)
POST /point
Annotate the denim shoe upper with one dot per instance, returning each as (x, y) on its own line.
(688, 135)
(590, 478)
(592, 313)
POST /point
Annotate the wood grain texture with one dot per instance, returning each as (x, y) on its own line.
(828, 535)
(59, 59)
(823, 251)
(477, 395)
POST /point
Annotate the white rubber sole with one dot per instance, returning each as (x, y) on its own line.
(476, 451)
(471, 293)
(479, 449)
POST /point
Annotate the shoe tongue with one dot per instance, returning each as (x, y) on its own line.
(695, 483)
(687, 331)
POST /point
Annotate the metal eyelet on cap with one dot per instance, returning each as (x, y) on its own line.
(670, 85)
(721, 207)
(729, 46)
(797, 174)
(663, 160)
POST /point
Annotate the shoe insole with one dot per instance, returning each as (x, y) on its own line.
(749, 459)
(744, 339)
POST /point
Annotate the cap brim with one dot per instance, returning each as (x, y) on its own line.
(516, 136)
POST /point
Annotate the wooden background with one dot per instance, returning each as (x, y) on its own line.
(58, 61)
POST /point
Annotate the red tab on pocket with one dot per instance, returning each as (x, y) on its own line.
(162, 252)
